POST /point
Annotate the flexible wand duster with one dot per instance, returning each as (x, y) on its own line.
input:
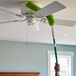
(51, 22)
(55, 50)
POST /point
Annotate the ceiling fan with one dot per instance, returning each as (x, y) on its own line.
(31, 16)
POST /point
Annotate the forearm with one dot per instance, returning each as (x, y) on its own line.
(55, 73)
(57, 69)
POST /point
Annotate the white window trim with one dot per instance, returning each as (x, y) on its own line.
(60, 53)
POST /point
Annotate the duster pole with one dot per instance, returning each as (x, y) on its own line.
(55, 50)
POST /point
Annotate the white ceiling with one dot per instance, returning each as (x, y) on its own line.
(18, 31)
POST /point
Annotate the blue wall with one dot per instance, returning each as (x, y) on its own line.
(19, 57)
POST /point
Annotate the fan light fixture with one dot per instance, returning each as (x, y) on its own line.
(32, 24)
(34, 27)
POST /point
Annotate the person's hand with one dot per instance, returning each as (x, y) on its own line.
(57, 68)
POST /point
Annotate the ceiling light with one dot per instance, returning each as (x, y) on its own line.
(34, 27)
(32, 24)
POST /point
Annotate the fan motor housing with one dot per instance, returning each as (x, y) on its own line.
(28, 13)
(24, 9)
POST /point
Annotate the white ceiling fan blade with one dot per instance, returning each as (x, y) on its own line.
(49, 9)
(10, 21)
(65, 22)
(7, 10)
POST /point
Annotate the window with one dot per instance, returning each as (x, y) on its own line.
(65, 60)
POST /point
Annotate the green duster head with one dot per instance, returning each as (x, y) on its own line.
(35, 8)
(51, 20)
(32, 6)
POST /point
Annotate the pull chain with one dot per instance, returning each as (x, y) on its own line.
(27, 35)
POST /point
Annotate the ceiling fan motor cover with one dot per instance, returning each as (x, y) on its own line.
(25, 10)
(35, 8)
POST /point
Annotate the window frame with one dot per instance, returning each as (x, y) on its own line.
(64, 53)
